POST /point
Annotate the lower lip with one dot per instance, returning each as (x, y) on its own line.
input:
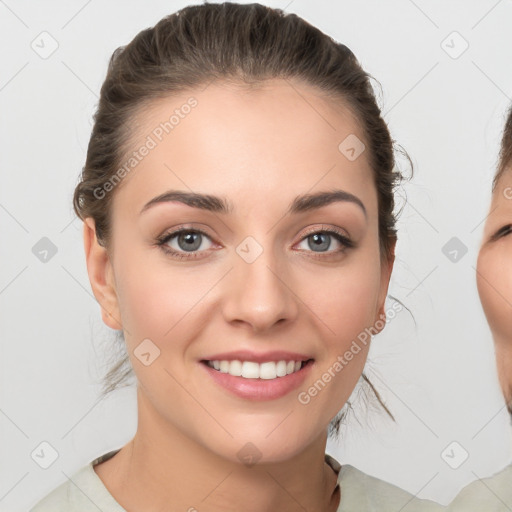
(260, 389)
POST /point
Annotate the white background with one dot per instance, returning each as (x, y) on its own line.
(437, 376)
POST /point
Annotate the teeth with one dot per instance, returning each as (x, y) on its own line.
(235, 368)
(281, 368)
(252, 370)
(249, 370)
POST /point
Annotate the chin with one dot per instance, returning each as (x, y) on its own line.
(261, 447)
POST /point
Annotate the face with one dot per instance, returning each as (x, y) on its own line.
(494, 278)
(272, 278)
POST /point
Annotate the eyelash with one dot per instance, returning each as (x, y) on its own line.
(166, 237)
(503, 231)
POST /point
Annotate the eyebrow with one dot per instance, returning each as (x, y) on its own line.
(218, 204)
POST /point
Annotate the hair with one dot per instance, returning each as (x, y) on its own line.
(246, 45)
(505, 156)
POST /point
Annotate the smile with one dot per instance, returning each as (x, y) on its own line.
(264, 380)
(252, 370)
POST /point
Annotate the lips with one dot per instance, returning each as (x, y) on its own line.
(252, 387)
(253, 365)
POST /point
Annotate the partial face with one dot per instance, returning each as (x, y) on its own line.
(494, 278)
(270, 279)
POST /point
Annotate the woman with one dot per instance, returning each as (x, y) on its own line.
(256, 139)
(494, 281)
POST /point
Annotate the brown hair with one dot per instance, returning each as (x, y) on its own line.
(505, 156)
(245, 44)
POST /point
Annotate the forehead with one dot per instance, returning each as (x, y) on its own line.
(281, 136)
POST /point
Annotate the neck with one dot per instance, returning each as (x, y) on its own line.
(161, 465)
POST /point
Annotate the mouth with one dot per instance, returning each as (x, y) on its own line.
(258, 380)
(268, 370)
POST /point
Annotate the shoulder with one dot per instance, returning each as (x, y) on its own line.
(66, 496)
(360, 491)
(82, 492)
(491, 493)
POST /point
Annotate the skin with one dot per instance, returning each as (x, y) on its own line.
(260, 149)
(494, 279)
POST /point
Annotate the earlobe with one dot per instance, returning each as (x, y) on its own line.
(99, 269)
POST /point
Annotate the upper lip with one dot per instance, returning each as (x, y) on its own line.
(247, 355)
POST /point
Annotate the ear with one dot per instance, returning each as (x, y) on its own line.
(101, 276)
(385, 276)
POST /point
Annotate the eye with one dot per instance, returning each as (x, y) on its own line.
(503, 231)
(187, 242)
(321, 240)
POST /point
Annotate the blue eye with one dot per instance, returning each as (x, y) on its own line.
(189, 242)
(322, 239)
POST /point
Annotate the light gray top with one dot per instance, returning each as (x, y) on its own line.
(85, 492)
(490, 494)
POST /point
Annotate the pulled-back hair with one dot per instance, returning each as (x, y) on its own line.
(245, 44)
(505, 156)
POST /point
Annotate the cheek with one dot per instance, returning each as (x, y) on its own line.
(158, 300)
(344, 315)
(494, 280)
(165, 302)
(345, 306)
(347, 299)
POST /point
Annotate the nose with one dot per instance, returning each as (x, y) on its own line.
(259, 294)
